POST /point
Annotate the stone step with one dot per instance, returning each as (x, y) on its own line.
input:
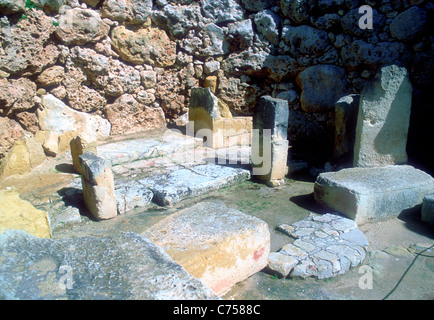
(372, 194)
(121, 266)
(218, 245)
(192, 181)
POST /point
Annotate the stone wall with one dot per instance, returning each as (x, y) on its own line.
(133, 62)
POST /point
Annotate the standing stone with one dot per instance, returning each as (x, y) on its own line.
(98, 186)
(345, 126)
(383, 119)
(271, 114)
(79, 145)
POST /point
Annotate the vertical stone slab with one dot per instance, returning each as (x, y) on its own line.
(346, 110)
(79, 145)
(98, 186)
(271, 114)
(428, 209)
(383, 119)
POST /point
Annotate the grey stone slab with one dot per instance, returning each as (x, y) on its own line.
(428, 209)
(131, 194)
(180, 184)
(371, 194)
(117, 267)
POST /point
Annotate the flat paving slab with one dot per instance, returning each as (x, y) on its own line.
(372, 194)
(219, 245)
(192, 181)
(123, 266)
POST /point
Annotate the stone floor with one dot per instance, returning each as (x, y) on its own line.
(55, 188)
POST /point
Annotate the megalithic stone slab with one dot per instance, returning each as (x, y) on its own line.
(383, 119)
(371, 194)
(98, 186)
(121, 266)
(346, 110)
(216, 244)
(272, 113)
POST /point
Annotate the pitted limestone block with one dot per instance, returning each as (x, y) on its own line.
(383, 119)
(98, 186)
(370, 194)
(218, 245)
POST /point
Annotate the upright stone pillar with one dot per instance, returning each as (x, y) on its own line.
(270, 126)
(98, 186)
(383, 119)
(79, 145)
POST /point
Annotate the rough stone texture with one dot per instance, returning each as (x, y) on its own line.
(58, 117)
(409, 24)
(371, 194)
(325, 246)
(346, 110)
(22, 52)
(197, 180)
(19, 214)
(131, 194)
(26, 154)
(216, 244)
(80, 26)
(51, 76)
(323, 86)
(10, 131)
(428, 209)
(147, 45)
(98, 186)
(16, 95)
(122, 266)
(383, 119)
(80, 144)
(127, 115)
(128, 11)
(270, 114)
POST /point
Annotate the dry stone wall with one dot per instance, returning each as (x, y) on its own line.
(136, 61)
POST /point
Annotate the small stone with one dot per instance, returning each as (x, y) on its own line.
(307, 246)
(294, 251)
(280, 263)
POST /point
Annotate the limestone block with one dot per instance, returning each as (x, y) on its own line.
(383, 119)
(216, 244)
(98, 186)
(80, 144)
(428, 209)
(16, 213)
(272, 113)
(131, 194)
(121, 266)
(371, 194)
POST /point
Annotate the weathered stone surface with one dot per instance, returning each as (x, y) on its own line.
(127, 115)
(177, 185)
(131, 194)
(325, 246)
(346, 110)
(272, 113)
(128, 11)
(297, 11)
(428, 209)
(16, 95)
(148, 45)
(25, 154)
(305, 40)
(383, 119)
(268, 24)
(58, 117)
(51, 76)
(80, 26)
(10, 131)
(203, 108)
(120, 267)
(371, 194)
(80, 144)
(218, 245)
(98, 186)
(24, 53)
(222, 10)
(323, 86)
(409, 24)
(19, 214)
(240, 35)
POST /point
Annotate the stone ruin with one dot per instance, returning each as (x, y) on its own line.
(289, 81)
